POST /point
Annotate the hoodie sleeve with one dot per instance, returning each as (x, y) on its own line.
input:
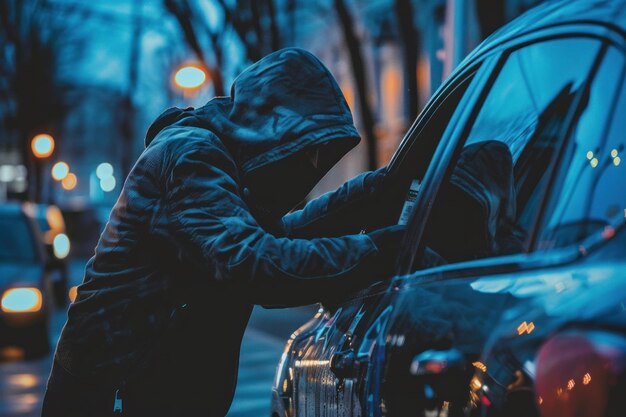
(212, 224)
(355, 206)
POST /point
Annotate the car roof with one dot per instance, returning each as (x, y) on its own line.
(608, 13)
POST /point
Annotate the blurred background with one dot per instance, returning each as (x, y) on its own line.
(80, 81)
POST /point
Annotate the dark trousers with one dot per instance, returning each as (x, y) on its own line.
(157, 392)
(190, 373)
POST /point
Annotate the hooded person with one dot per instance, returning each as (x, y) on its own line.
(199, 235)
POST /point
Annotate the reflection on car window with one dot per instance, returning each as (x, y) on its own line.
(16, 244)
(491, 198)
(589, 194)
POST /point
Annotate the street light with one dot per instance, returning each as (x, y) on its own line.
(42, 145)
(104, 170)
(60, 170)
(69, 182)
(107, 184)
(190, 77)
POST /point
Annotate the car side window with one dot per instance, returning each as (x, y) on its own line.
(589, 194)
(423, 140)
(487, 205)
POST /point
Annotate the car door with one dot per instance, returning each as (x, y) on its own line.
(520, 129)
(327, 374)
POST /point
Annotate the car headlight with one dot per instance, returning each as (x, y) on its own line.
(61, 245)
(21, 300)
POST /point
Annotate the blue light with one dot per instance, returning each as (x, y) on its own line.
(19, 300)
(61, 245)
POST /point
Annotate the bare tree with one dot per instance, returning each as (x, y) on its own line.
(360, 78)
(186, 18)
(409, 39)
(254, 22)
(34, 46)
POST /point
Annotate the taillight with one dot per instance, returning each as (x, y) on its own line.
(580, 374)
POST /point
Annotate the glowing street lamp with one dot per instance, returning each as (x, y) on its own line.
(42, 145)
(190, 77)
(69, 182)
(107, 184)
(60, 170)
(104, 170)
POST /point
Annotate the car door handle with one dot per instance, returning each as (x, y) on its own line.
(343, 364)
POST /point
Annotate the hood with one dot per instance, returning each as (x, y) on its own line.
(286, 123)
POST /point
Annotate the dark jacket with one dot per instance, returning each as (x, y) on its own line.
(185, 230)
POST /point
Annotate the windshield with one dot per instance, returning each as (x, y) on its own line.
(16, 241)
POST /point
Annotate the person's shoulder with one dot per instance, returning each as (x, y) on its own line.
(182, 139)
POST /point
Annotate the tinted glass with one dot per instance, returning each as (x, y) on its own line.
(16, 242)
(590, 191)
(490, 201)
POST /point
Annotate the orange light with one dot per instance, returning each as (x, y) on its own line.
(348, 93)
(586, 379)
(570, 384)
(23, 381)
(55, 219)
(525, 328)
(480, 366)
(190, 77)
(73, 293)
(42, 145)
(21, 300)
(69, 182)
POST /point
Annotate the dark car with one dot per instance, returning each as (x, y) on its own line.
(25, 283)
(510, 298)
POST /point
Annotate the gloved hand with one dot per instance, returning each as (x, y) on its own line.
(388, 241)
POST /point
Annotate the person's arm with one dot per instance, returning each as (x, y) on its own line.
(213, 225)
(348, 209)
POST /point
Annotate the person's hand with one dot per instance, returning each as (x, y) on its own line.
(387, 241)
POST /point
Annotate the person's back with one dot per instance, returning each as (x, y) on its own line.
(159, 318)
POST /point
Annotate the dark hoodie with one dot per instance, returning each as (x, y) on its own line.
(184, 238)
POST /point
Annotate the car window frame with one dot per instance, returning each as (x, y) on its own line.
(456, 140)
(481, 74)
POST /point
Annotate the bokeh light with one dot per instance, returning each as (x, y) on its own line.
(73, 293)
(69, 182)
(190, 77)
(107, 184)
(18, 300)
(104, 170)
(61, 246)
(60, 170)
(42, 145)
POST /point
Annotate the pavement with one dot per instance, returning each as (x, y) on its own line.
(23, 382)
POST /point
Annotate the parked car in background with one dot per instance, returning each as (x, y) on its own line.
(25, 283)
(56, 243)
(511, 288)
